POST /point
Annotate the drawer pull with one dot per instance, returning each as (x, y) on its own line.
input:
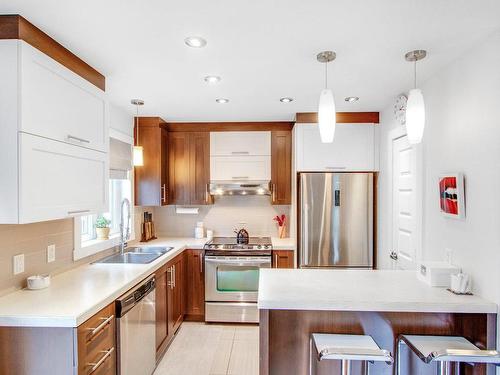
(240, 177)
(96, 365)
(77, 212)
(335, 168)
(100, 328)
(239, 152)
(78, 139)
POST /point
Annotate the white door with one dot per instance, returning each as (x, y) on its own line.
(405, 228)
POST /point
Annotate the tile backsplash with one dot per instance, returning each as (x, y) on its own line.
(32, 241)
(255, 213)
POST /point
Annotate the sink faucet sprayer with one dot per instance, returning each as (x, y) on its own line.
(124, 235)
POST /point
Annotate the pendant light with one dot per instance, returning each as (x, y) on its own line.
(415, 107)
(138, 157)
(326, 108)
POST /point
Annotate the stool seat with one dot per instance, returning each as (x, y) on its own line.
(349, 347)
(449, 349)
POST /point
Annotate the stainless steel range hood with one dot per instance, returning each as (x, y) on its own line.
(240, 188)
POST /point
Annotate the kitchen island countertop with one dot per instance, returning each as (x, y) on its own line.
(360, 290)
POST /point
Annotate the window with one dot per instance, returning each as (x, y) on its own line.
(118, 190)
(86, 242)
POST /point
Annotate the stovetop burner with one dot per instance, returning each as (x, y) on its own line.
(230, 246)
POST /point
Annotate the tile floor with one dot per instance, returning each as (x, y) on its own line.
(210, 349)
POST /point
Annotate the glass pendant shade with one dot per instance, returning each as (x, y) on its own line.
(138, 156)
(326, 116)
(415, 116)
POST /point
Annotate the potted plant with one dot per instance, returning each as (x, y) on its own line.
(102, 228)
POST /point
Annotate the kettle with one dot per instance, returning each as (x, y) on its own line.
(241, 236)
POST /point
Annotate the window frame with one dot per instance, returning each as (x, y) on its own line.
(84, 249)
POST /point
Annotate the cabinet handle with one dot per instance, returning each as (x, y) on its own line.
(273, 192)
(173, 277)
(239, 152)
(77, 212)
(163, 193)
(100, 328)
(335, 168)
(201, 263)
(207, 193)
(170, 283)
(275, 260)
(96, 365)
(78, 139)
(240, 177)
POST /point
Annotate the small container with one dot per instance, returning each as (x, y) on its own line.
(210, 234)
(37, 282)
(199, 231)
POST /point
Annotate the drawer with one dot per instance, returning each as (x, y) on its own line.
(240, 168)
(97, 343)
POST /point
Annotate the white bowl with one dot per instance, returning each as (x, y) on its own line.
(36, 282)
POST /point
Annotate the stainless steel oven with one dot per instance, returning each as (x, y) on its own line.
(231, 287)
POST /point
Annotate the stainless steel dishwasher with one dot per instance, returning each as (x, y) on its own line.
(136, 317)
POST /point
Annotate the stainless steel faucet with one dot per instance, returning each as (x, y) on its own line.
(124, 235)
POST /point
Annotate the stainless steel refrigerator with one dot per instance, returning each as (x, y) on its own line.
(336, 220)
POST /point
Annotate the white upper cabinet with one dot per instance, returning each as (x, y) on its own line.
(240, 168)
(240, 156)
(53, 139)
(58, 180)
(58, 104)
(354, 148)
(240, 143)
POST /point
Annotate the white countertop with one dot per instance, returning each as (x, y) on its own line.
(76, 295)
(360, 290)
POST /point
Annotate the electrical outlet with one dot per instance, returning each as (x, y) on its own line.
(51, 253)
(18, 264)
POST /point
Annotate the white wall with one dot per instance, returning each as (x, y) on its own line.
(255, 213)
(462, 134)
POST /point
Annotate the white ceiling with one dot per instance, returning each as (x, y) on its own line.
(262, 49)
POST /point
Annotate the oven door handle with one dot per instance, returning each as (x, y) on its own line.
(238, 260)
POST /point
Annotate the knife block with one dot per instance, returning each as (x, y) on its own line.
(148, 232)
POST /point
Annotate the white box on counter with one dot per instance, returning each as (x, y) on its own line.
(436, 273)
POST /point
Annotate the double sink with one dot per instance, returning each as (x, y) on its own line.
(137, 255)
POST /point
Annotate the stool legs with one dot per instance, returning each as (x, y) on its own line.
(444, 368)
(346, 367)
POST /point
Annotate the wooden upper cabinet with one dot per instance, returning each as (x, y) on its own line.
(151, 179)
(281, 167)
(199, 169)
(189, 167)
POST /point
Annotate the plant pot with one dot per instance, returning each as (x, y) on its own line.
(102, 233)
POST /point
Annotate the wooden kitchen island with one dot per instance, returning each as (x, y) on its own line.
(384, 304)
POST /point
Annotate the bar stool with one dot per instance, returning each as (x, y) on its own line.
(445, 351)
(346, 348)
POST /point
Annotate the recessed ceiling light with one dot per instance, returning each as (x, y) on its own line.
(195, 41)
(222, 100)
(351, 99)
(212, 79)
(286, 99)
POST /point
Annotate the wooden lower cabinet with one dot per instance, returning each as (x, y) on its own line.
(52, 350)
(170, 302)
(97, 343)
(195, 285)
(161, 310)
(175, 294)
(283, 259)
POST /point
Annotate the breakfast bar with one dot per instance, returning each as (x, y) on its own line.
(295, 303)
